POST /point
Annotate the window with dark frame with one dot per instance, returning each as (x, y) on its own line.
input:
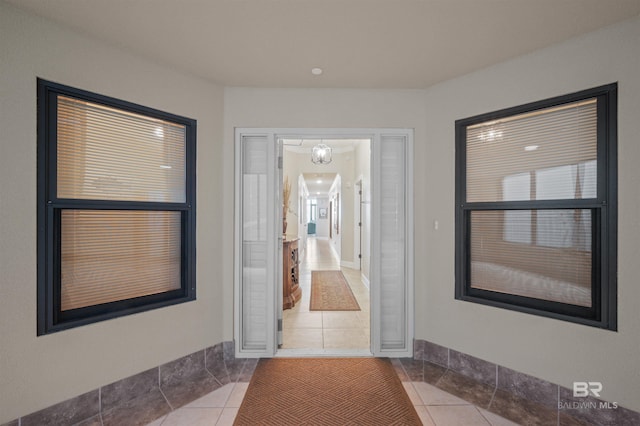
(536, 208)
(116, 208)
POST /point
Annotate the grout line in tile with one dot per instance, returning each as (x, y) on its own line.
(165, 398)
(558, 405)
(483, 416)
(492, 396)
(429, 414)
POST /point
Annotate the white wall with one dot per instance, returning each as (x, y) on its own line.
(335, 212)
(303, 195)
(554, 350)
(322, 225)
(36, 372)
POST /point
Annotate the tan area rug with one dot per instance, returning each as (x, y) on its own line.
(331, 292)
(326, 391)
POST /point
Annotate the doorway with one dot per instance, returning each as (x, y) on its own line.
(258, 233)
(322, 321)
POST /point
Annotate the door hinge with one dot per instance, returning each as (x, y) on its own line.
(359, 256)
(359, 223)
(279, 324)
(280, 162)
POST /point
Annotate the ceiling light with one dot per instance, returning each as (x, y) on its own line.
(316, 71)
(318, 193)
(321, 154)
(531, 147)
(319, 181)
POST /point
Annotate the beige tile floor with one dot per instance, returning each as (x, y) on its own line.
(304, 329)
(434, 406)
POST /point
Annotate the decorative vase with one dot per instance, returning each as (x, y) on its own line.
(284, 222)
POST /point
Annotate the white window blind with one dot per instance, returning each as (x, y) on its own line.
(111, 255)
(551, 141)
(554, 267)
(106, 153)
(549, 154)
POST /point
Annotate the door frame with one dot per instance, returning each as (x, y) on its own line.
(357, 227)
(375, 135)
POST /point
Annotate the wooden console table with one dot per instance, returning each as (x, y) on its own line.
(290, 285)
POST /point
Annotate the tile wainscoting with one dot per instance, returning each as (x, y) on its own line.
(152, 394)
(144, 397)
(513, 395)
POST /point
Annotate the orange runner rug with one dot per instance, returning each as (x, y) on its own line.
(331, 292)
(326, 391)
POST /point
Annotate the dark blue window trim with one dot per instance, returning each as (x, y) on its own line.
(50, 317)
(603, 312)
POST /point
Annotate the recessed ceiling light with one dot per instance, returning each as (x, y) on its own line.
(316, 71)
(319, 181)
(531, 147)
(318, 193)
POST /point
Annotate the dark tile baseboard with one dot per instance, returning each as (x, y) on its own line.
(513, 395)
(149, 395)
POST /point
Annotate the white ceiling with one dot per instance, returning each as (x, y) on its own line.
(358, 43)
(319, 183)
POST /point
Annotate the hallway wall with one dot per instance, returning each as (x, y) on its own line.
(36, 372)
(554, 350)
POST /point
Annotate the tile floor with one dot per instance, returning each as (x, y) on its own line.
(434, 406)
(304, 329)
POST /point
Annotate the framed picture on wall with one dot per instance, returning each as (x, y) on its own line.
(322, 212)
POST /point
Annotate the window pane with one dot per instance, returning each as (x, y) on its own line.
(112, 255)
(110, 154)
(557, 145)
(517, 226)
(556, 266)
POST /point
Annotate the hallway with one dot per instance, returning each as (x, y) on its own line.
(331, 330)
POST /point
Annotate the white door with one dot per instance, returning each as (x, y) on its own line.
(392, 245)
(257, 244)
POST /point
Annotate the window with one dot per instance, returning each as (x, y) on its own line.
(536, 208)
(116, 208)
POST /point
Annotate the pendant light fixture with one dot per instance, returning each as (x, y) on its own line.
(321, 154)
